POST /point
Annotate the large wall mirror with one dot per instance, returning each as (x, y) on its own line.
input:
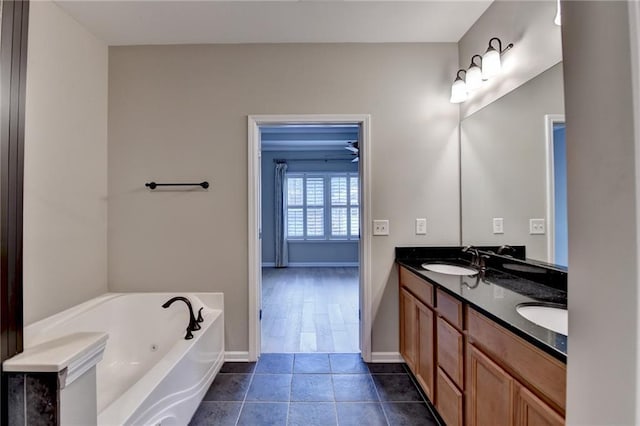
(513, 170)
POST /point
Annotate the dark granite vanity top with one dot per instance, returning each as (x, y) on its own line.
(506, 283)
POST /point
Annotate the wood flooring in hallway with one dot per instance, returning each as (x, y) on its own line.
(310, 310)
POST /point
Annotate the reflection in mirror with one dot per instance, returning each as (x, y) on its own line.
(513, 168)
(557, 190)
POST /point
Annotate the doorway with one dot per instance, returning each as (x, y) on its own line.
(306, 202)
(310, 236)
(558, 233)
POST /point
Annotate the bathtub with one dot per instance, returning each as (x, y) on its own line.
(149, 374)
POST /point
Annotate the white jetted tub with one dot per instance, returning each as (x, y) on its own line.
(149, 374)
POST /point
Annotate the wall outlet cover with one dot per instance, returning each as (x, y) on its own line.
(537, 227)
(421, 226)
(381, 227)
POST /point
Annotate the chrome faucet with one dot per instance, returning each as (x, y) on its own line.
(475, 255)
(477, 259)
(506, 248)
(193, 322)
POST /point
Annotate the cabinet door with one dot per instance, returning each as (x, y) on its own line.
(425, 367)
(408, 328)
(532, 411)
(490, 391)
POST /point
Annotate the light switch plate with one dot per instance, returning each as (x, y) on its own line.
(380, 227)
(498, 225)
(536, 226)
(421, 226)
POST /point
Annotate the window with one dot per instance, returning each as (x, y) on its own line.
(323, 206)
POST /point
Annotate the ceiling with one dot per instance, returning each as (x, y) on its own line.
(133, 22)
(306, 137)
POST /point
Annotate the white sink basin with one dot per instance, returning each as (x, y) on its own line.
(444, 268)
(555, 319)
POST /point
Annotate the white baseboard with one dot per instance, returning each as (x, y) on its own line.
(314, 264)
(386, 357)
(236, 356)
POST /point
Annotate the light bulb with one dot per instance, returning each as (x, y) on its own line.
(458, 91)
(473, 78)
(490, 63)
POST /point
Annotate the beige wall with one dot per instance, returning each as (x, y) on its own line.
(537, 46)
(603, 227)
(180, 113)
(65, 211)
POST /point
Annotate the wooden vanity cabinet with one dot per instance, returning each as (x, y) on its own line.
(417, 329)
(475, 371)
(510, 381)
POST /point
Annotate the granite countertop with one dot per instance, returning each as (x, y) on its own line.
(496, 294)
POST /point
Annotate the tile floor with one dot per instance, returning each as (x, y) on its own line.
(313, 389)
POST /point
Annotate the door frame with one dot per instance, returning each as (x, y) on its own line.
(254, 219)
(549, 121)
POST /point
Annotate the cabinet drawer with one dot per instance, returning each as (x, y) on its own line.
(449, 401)
(450, 308)
(543, 373)
(450, 351)
(420, 288)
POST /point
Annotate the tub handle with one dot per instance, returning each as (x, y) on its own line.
(200, 319)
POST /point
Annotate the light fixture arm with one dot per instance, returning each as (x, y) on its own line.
(473, 63)
(500, 51)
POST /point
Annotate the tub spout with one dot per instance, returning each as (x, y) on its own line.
(193, 323)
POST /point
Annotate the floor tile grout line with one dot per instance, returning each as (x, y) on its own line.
(246, 393)
(333, 391)
(384, 412)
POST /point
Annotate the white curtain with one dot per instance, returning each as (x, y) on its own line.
(282, 249)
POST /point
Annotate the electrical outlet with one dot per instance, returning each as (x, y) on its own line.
(536, 226)
(421, 226)
(380, 227)
(498, 225)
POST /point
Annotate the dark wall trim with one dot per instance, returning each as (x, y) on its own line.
(13, 73)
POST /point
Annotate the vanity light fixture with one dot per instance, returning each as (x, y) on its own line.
(459, 89)
(488, 67)
(474, 74)
(491, 63)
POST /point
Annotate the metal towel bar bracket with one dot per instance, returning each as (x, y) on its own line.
(154, 185)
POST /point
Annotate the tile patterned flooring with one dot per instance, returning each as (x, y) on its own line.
(313, 389)
(310, 310)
